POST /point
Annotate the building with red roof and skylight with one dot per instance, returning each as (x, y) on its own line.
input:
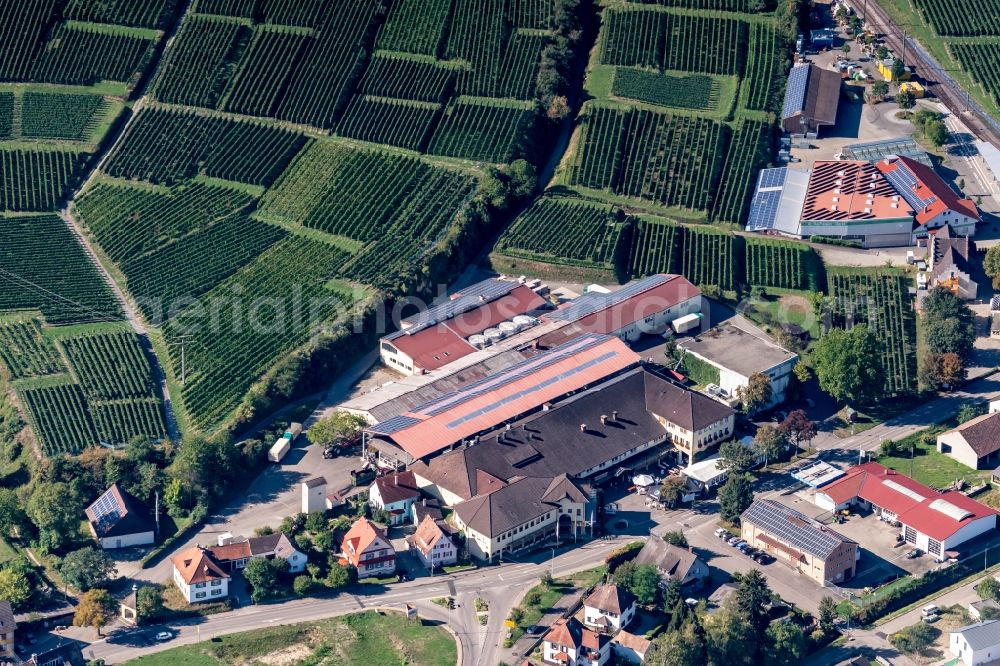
(933, 521)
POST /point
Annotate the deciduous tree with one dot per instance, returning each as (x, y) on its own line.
(264, 577)
(97, 608)
(671, 490)
(87, 568)
(827, 614)
(786, 644)
(770, 441)
(849, 364)
(735, 495)
(798, 428)
(337, 427)
(756, 394)
(736, 458)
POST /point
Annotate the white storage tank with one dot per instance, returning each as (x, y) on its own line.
(509, 327)
(478, 341)
(493, 334)
(524, 321)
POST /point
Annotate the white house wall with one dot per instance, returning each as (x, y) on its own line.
(960, 449)
(970, 531)
(128, 540)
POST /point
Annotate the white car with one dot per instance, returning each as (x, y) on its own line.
(722, 532)
(164, 636)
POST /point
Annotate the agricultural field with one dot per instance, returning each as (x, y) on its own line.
(712, 257)
(416, 26)
(750, 150)
(679, 92)
(136, 13)
(132, 220)
(60, 116)
(25, 352)
(46, 269)
(38, 180)
(110, 365)
(6, 115)
(953, 18)
(407, 78)
(481, 130)
(59, 417)
(166, 146)
(225, 358)
(656, 248)
(393, 122)
(200, 64)
(82, 55)
(570, 231)
(880, 299)
(982, 60)
(783, 264)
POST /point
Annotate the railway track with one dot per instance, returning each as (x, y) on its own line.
(936, 79)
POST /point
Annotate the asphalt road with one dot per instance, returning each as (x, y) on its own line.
(500, 585)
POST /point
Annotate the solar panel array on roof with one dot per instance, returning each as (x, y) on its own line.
(523, 369)
(904, 181)
(394, 424)
(469, 299)
(107, 510)
(583, 367)
(791, 527)
(592, 302)
(766, 199)
(795, 93)
(771, 178)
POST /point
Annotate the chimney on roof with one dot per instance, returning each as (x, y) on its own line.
(614, 415)
(482, 298)
(604, 419)
(508, 427)
(583, 427)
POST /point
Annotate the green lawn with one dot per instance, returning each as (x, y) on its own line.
(363, 639)
(550, 595)
(7, 553)
(930, 467)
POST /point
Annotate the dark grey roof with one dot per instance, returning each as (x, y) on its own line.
(982, 634)
(508, 507)
(793, 528)
(67, 654)
(467, 299)
(7, 622)
(594, 301)
(315, 482)
(550, 443)
(117, 513)
(689, 409)
(675, 562)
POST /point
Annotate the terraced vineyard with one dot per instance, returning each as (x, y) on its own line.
(37, 180)
(880, 299)
(567, 231)
(712, 257)
(783, 264)
(166, 146)
(750, 150)
(679, 92)
(59, 417)
(225, 361)
(59, 116)
(982, 60)
(84, 56)
(25, 352)
(480, 130)
(109, 365)
(44, 268)
(198, 68)
(656, 248)
(955, 18)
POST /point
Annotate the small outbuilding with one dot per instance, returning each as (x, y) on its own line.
(811, 99)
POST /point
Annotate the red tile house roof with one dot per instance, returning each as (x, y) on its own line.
(936, 514)
(362, 536)
(843, 190)
(196, 565)
(930, 188)
(571, 633)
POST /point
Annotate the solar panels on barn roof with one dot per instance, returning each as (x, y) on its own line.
(106, 510)
(795, 93)
(467, 299)
(592, 302)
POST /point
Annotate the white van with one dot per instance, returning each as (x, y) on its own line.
(929, 610)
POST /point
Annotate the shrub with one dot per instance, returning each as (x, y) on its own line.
(302, 585)
(625, 553)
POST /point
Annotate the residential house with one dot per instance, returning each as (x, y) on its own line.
(396, 494)
(609, 608)
(673, 562)
(8, 627)
(523, 513)
(236, 553)
(976, 644)
(975, 443)
(67, 654)
(952, 263)
(433, 545)
(198, 576)
(368, 549)
(570, 643)
(804, 544)
(630, 647)
(426, 507)
(119, 520)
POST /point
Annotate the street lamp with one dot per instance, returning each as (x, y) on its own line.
(552, 562)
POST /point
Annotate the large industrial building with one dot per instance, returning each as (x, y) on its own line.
(893, 202)
(932, 521)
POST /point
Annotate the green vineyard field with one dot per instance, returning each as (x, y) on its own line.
(25, 352)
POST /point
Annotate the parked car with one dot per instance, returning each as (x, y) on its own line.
(732, 541)
(913, 554)
(930, 609)
(744, 546)
(722, 533)
(164, 636)
(739, 544)
(611, 508)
